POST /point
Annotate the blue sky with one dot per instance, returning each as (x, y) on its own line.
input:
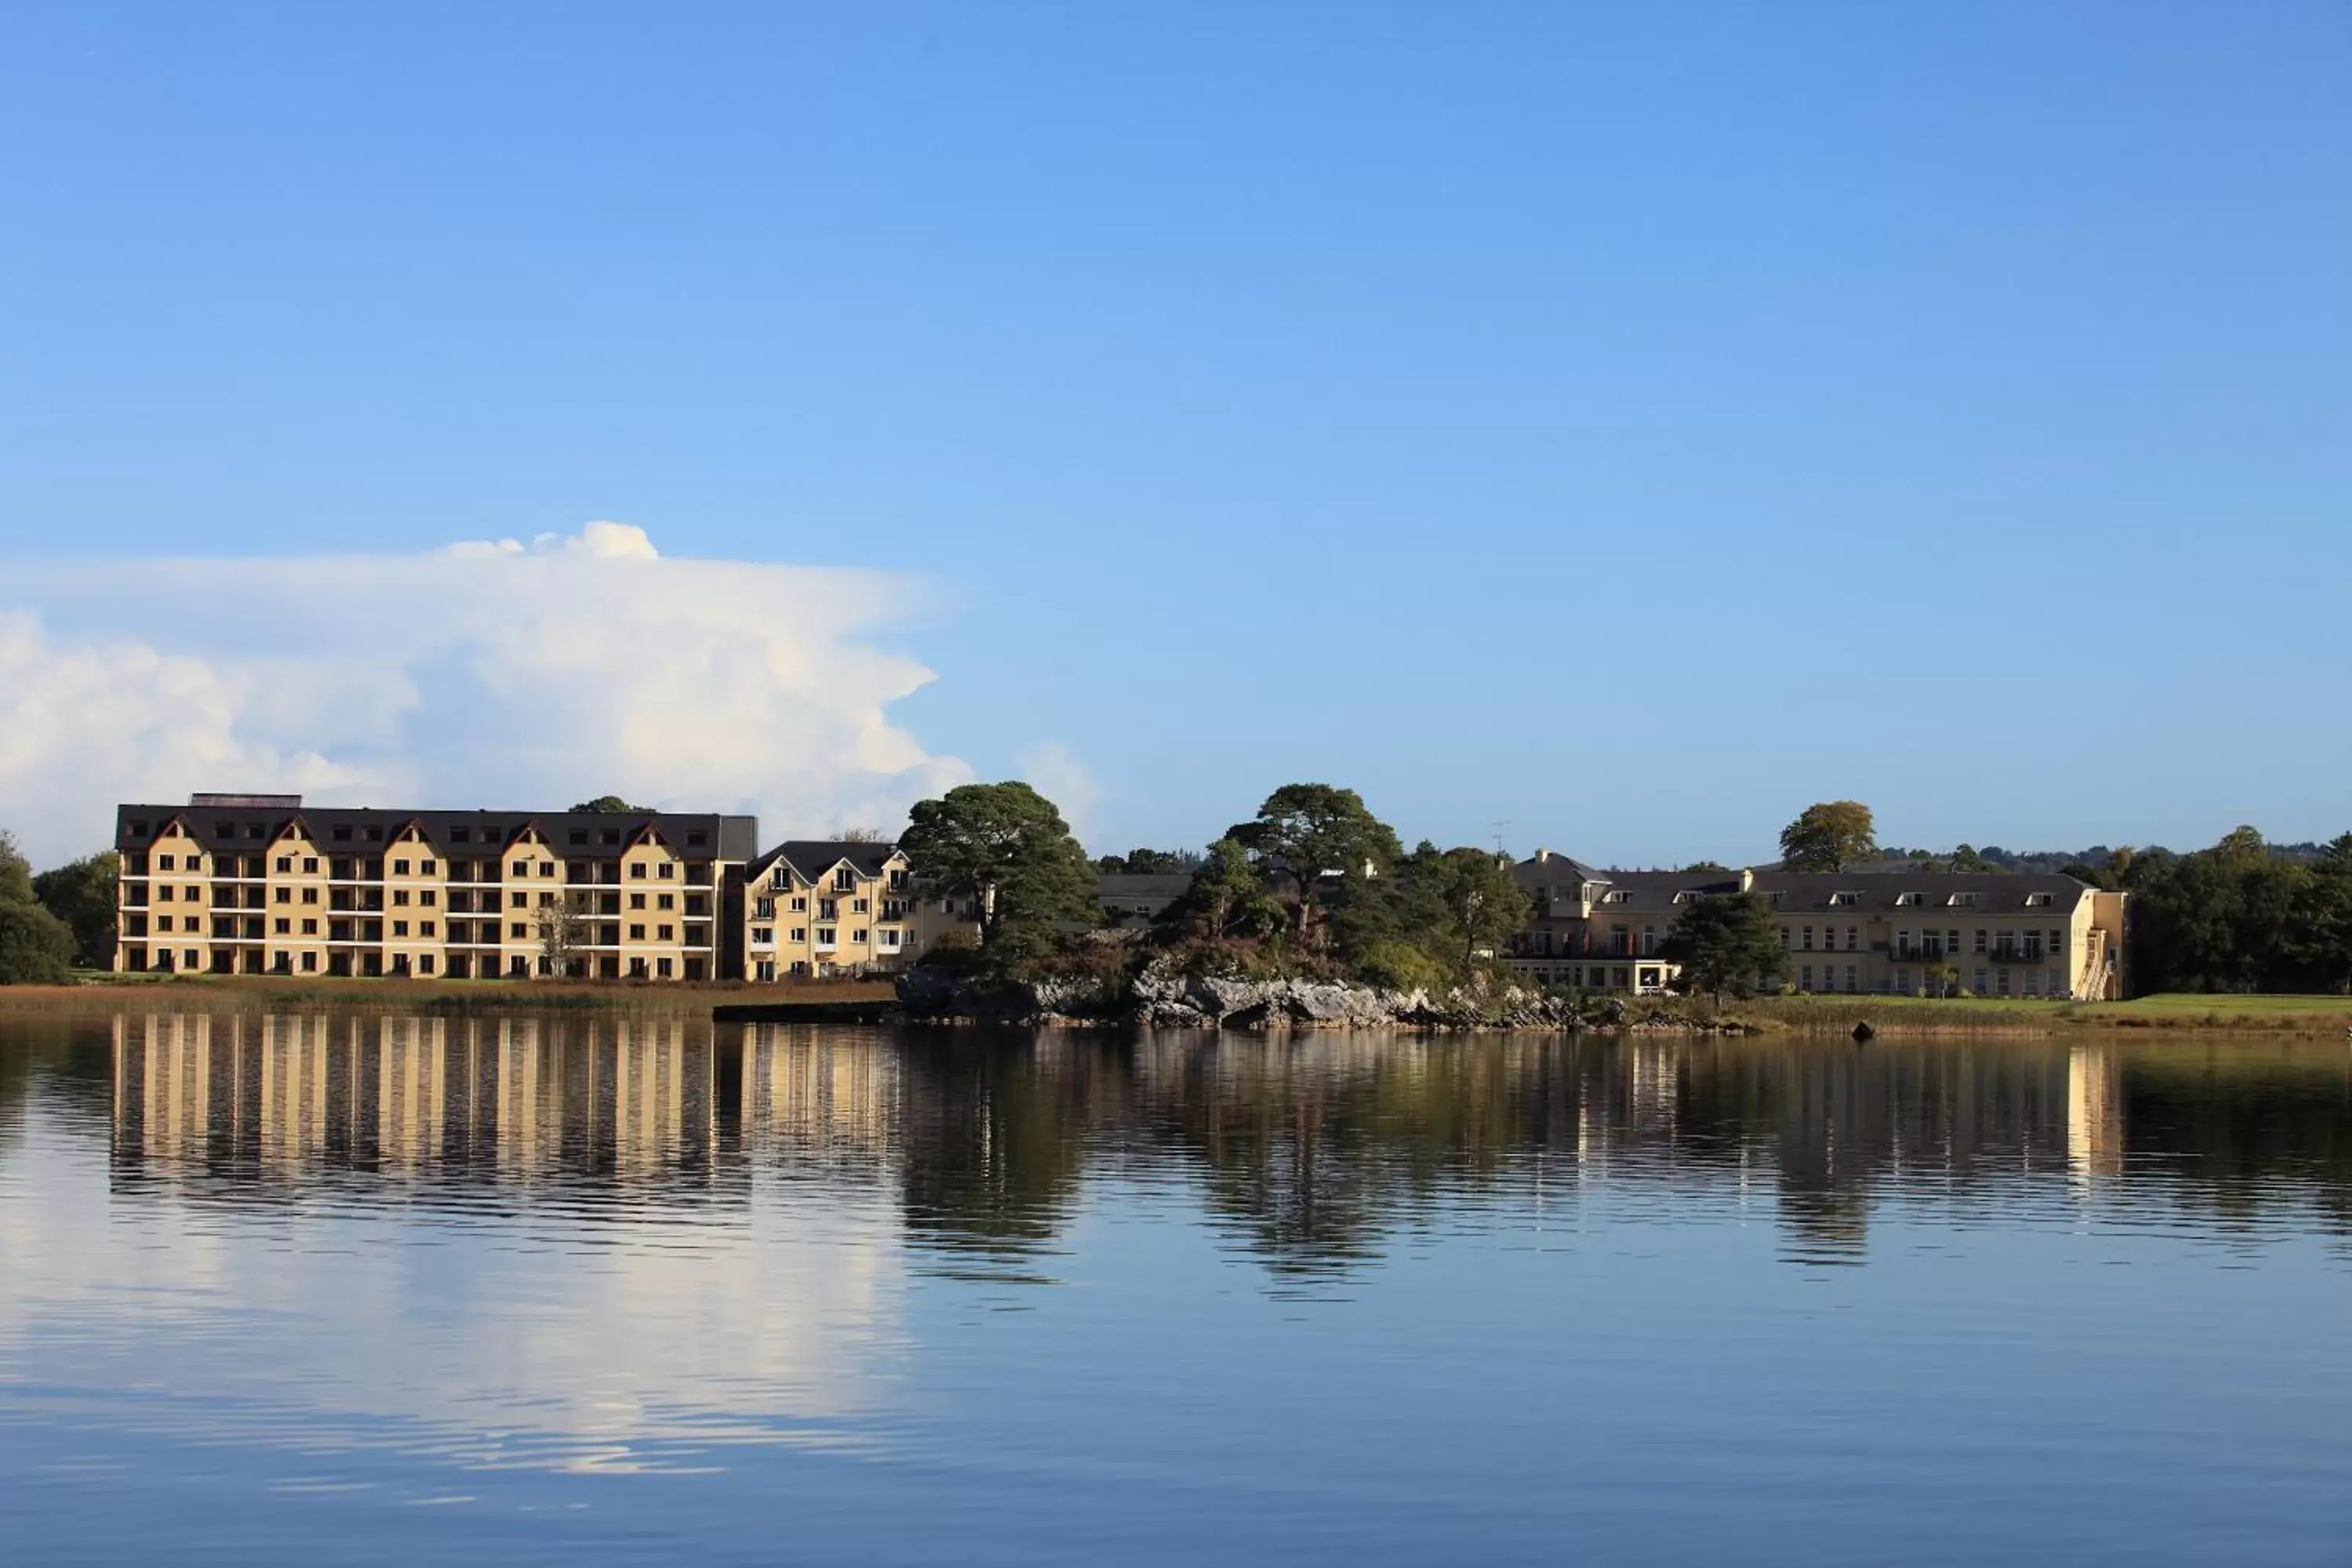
(1631, 424)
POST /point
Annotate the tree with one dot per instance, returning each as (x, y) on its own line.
(16, 872)
(1149, 863)
(1829, 837)
(2329, 918)
(609, 805)
(1481, 902)
(563, 933)
(1319, 837)
(1725, 942)
(1226, 899)
(81, 893)
(860, 836)
(1005, 848)
(35, 947)
(1706, 869)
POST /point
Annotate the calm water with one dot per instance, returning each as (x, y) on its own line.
(351, 1288)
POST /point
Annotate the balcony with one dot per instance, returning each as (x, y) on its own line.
(2002, 955)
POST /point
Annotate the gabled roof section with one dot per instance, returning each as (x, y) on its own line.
(814, 859)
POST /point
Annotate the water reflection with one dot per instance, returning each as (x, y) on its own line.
(1312, 1154)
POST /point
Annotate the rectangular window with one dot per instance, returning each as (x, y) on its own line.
(400, 867)
(519, 900)
(858, 937)
(310, 928)
(284, 927)
(400, 928)
(889, 938)
(163, 863)
(636, 932)
(824, 936)
(800, 906)
(2057, 942)
(400, 897)
(1854, 939)
(828, 908)
(665, 934)
(858, 906)
(666, 901)
(666, 870)
(425, 927)
(522, 867)
(163, 894)
(636, 870)
(1805, 978)
(800, 933)
(1853, 978)
(1807, 944)
(661, 965)
(762, 936)
(637, 900)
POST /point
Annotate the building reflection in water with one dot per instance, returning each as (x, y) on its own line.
(1312, 1153)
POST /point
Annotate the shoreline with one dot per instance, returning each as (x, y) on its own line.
(875, 1001)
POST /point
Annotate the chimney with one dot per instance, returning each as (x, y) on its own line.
(1747, 880)
(1543, 856)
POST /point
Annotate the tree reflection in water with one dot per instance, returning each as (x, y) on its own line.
(1314, 1154)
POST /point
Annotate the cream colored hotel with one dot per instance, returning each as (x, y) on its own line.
(262, 885)
(249, 884)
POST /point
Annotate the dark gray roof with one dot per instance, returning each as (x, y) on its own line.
(1545, 870)
(1884, 895)
(457, 835)
(813, 859)
(1146, 886)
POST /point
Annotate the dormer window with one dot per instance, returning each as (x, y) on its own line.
(2037, 900)
(461, 836)
(1910, 901)
(1844, 900)
(1617, 896)
(1964, 900)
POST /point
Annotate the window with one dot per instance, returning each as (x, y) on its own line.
(519, 900)
(828, 908)
(425, 927)
(1952, 942)
(400, 867)
(667, 870)
(577, 835)
(1853, 978)
(428, 898)
(461, 836)
(763, 936)
(163, 863)
(1805, 978)
(764, 907)
(857, 906)
(138, 830)
(800, 906)
(309, 963)
(546, 900)
(518, 930)
(637, 900)
(224, 829)
(163, 893)
(661, 967)
(309, 895)
(1910, 900)
(400, 928)
(636, 931)
(1806, 942)
(1854, 939)
(1981, 947)
(826, 935)
(2057, 941)
(889, 938)
(285, 863)
(310, 928)
(1964, 900)
(547, 867)
(636, 870)
(858, 937)
(522, 867)
(696, 838)
(425, 867)
(666, 901)
(800, 933)
(343, 835)
(425, 963)
(400, 897)
(375, 835)
(665, 934)
(2037, 900)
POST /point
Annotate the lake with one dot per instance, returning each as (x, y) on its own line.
(349, 1288)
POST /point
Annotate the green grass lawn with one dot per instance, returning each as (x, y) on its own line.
(2190, 1003)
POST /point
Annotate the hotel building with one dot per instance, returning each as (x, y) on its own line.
(1879, 932)
(818, 906)
(241, 884)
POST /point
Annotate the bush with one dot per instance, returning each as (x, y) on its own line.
(35, 947)
(1401, 966)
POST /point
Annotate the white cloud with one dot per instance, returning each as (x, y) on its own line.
(487, 674)
(1050, 770)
